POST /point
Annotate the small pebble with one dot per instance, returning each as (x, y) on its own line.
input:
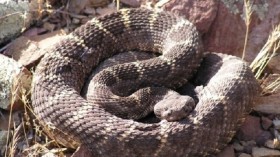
(238, 147)
(89, 11)
(75, 21)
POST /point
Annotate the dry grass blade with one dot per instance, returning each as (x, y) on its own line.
(117, 3)
(20, 133)
(271, 88)
(248, 13)
(10, 151)
(268, 51)
(14, 141)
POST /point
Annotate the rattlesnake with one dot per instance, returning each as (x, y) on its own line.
(228, 93)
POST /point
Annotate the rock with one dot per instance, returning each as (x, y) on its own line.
(49, 26)
(270, 144)
(14, 17)
(238, 147)
(244, 155)
(265, 152)
(105, 11)
(34, 31)
(75, 21)
(248, 145)
(24, 50)
(27, 50)
(269, 104)
(132, 3)
(266, 122)
(231, 15)
(76, 6)
(220, 21)
(227, 152)
(89, 11)
(202, 13)
(15, 81)
(98, 3)
(3, 141)
(14, 120)
(276, 123)
(263, 137)
(250, 129)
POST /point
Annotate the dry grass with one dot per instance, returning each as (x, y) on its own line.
(268, 51)
(11, 151)
(30, 131)
(272, 88)
(117, 3)
(248, 15)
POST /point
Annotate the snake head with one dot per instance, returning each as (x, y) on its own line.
(174, 108)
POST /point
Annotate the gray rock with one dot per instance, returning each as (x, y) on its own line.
(276, 123)
(15, 17)
(3, 141)
(238, 147)
(264, 152)
(227, 152)
(15, 80)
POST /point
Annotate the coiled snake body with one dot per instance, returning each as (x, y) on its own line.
(229, 87)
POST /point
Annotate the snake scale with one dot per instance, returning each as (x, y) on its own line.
(229, 87)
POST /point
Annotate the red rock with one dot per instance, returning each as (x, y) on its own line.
(28, 50)
(227, 152)
(227, 33)
(223, 24)
(201, 13)
(250, 129)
